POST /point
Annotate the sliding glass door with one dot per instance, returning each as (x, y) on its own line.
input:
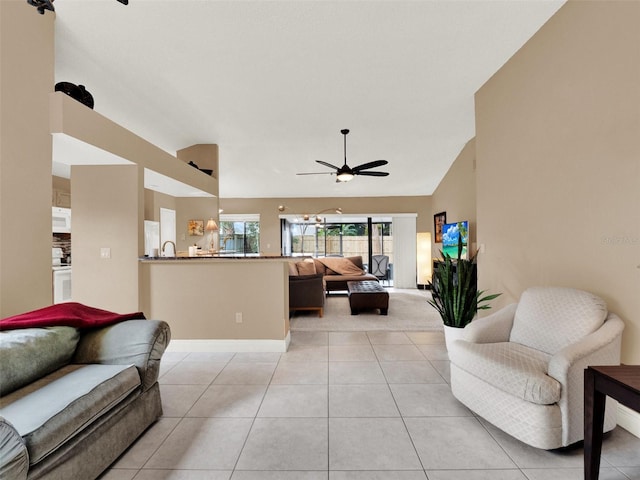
(345, 238)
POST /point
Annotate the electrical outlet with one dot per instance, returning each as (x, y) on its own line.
(105, 252)
(238, 317)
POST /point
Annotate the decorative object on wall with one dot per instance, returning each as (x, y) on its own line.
(346, 173)
(196, 227)
(439, 219)
(43, 5)
(77, 92)
(212, 227)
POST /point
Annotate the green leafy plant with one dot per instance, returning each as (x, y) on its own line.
(455, 292)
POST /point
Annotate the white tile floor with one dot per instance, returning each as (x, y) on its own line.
(338, 406)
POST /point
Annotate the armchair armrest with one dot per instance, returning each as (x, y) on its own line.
(493, 328)
(137, 342)
(589, 348)
(14, 457)
(601, 347)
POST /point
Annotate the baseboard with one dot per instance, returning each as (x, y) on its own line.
(629, 420)
(211, 345)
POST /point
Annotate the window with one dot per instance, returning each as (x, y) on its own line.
(239, 235)
(331, 238)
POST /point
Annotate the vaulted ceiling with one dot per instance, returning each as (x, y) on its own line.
(274, 82)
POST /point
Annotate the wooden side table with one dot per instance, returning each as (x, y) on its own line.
(620, 382)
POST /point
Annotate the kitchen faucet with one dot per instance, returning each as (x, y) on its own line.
(174, 247)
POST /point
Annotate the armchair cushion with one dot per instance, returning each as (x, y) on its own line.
(510, 367)
(550, 318)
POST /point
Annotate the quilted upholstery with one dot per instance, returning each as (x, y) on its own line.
(550, 318)
(518, 370)
(537, 425)
(522, 367)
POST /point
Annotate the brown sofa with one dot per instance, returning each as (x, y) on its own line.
(335, 281)
(306, 292)
(349, 269)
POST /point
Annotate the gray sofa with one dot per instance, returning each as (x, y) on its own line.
(72, 401)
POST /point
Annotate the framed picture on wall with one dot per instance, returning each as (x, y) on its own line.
(196, 227)
(439, 219)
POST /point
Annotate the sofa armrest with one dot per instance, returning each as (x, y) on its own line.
(493, 328)
(14, 457)
(306, 291)
(133, 342)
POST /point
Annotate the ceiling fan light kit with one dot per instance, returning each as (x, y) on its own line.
(346, 173)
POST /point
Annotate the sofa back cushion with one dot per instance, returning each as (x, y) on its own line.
(550, 318)
(357, 261)
(340, 265)
(28, 354)
(306, 267)
(321, 268)
(293, 269)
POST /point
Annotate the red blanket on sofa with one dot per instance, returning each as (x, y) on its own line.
(69, 314)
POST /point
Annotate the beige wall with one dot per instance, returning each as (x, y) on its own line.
(25, 157)
(200, 298)
(154, 201)
(107, 206)
(456, 194)
(558, 162)
(61, 184)
(269, 214)
(194, 209)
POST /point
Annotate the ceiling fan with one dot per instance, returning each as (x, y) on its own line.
(346, 173)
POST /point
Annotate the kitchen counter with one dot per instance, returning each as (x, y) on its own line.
(213, 257)
(219, 303)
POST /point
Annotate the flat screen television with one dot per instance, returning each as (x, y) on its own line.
(452, 235)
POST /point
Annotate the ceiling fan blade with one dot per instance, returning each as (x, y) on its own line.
(316, 173)
(372, 174)
(327, 164)
(366, 166)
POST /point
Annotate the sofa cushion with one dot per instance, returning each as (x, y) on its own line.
(550, 318)
(293, 269)
(306, 267)
(57, 407)
(28, 354)
(321, 268)
(343, 266)
(510, 367)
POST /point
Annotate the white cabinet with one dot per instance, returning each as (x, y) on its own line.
(61, 284)
(61, 220)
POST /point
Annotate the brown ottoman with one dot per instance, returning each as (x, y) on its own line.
(367, 294)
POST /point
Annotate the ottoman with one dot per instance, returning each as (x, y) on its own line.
(367, 294)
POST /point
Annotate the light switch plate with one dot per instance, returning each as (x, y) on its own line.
(105, 252)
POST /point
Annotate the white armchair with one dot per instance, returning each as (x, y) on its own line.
(522, 368)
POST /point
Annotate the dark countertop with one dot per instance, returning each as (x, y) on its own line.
(213, 257)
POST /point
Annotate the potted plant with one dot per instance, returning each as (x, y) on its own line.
(455, 293)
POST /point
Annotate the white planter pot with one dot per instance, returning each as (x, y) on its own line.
(451, 334)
